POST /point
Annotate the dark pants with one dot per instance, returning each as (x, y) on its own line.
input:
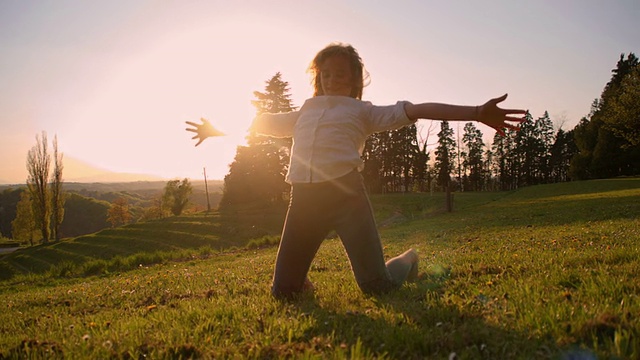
(316, 209)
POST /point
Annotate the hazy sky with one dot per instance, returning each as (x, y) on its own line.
(116, 80)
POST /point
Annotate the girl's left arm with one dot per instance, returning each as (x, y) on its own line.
(489, 113)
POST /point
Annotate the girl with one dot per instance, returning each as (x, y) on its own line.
(327, 190)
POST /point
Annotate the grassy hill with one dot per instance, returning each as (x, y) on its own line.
(548, 271)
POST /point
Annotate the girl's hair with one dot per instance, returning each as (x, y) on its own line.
(360, 76)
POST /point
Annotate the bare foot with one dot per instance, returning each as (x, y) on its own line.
(308, 286)
(413, 273)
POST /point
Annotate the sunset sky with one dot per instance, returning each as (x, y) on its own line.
(116, 80)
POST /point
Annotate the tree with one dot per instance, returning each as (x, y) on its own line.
(57, 195)
(505, 162)
(444, 153)
(38, 161)
(562, 151)
(176, 195)
(389, 160)
(527, 150)
(545, 139)
(472, 140)
(275, 99)
(423, 173)
(603, 138)
(119, 214)
(155, 211)
(258, 171)
(24, 226)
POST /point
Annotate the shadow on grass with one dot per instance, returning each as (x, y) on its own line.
(407, 325)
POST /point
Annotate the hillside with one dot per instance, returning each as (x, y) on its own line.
(87, 203)
(547, 272)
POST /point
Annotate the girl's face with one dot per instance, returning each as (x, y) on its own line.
(335, 76)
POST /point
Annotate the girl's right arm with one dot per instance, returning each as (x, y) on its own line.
(276, 125)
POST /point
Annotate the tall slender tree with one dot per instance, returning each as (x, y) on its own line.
(57, 195)
(38, 162)
(506, 163)
(545, 139)
(444, 154)
(474, 144)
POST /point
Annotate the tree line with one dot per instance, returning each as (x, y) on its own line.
(604, 144)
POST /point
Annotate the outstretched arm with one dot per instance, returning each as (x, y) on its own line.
(203, 130)
(489, 113)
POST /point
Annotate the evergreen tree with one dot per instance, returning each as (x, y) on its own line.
(392, 161)
(444, 151)
(545, 139)
(506, 164)
(526, 151)
(258, 170)
(603, 138)
(562, 151)
(473, 162)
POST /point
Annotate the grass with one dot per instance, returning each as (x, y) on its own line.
(546, 272)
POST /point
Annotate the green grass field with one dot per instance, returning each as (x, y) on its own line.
(545, 272)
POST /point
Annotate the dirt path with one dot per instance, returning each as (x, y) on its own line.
(8, 250)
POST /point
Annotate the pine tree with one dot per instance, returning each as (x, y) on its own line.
(473, 161)
(444, 152)
(506, 162)
(258, 170)
(562, 151)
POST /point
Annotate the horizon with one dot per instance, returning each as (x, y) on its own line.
(116, 81)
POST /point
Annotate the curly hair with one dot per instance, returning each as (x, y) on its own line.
(360, 76)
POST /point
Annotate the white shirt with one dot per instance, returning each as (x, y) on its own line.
(329, 133)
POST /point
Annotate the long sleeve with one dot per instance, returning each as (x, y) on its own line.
(276, 125)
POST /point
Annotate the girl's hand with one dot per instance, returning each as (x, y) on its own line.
(203, 130)
(491, 115)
